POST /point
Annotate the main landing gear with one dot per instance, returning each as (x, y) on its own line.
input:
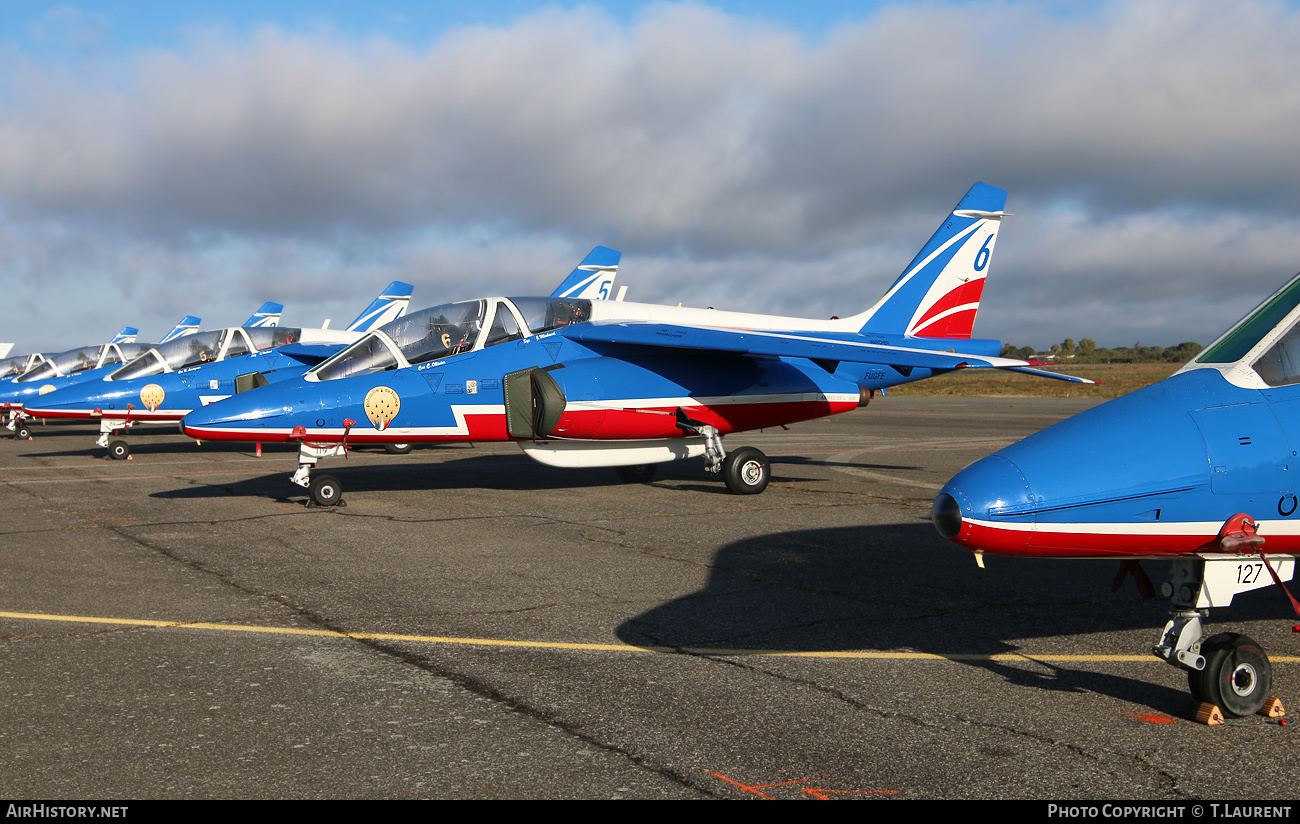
(747, 471)
(1228, 670)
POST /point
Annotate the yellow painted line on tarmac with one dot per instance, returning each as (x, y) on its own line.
(500, 642)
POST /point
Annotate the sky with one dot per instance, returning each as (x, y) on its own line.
(164, 159)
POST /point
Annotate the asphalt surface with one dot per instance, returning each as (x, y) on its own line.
(474, 625)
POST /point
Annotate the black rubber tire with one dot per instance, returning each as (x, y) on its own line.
(747, 471)
(639, 474)
(398, 448)
(23, 433)
(325, 490)
(118, 450)
(1237, 677)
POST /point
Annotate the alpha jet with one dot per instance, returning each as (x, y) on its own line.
(41, 374)
(1198, 468)
(598, 383)
(170, 379)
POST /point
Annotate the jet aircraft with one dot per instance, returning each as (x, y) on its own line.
(1198, 468)
(44, 373)
(166, 381)
(588, 383)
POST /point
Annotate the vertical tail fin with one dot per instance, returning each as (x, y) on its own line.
(391, 304)
(127, 335)
(188, 326)
(594, 277)
(268, 315)
(938, 294)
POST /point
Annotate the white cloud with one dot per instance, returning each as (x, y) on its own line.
(1147, 148)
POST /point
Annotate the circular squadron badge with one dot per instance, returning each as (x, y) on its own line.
(382, 405)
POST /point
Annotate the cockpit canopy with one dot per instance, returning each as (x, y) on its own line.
(1266, 341)
(450, 329)
(83, 358)
(12, 367)
(205, 347)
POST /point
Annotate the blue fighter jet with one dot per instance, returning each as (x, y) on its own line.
(1197, 468)
(586, 383)
(166, 381)
(41, 374)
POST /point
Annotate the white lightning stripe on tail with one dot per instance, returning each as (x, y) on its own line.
(961, 238)
(965, 307)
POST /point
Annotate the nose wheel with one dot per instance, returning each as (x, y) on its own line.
(1229, 671)
(325, 491)
(1237, 674)
(118, 450)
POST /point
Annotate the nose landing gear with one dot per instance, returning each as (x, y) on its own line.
(1227, 671)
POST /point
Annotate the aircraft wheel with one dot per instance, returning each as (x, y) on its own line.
(398, 448)
(23, 432)
(326, 491)
(118, 450)
(747, 471)
(1237, 676)
(639, 474)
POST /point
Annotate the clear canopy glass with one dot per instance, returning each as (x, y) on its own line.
(191, 350)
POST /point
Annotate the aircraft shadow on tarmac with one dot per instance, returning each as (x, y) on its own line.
(899, 587)
(797, 460)
(510, 471)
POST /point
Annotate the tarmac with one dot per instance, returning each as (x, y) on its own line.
(471, 624)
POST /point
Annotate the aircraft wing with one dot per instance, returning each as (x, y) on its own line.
(310, 353)
(812, 345)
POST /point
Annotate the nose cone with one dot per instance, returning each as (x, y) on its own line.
(990, 488)
(238, 412)
(267, 413)
(1112, 479)
(946, 515)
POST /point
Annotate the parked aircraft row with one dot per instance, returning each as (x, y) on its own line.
(1193, 468)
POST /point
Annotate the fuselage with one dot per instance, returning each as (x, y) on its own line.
(518, 371)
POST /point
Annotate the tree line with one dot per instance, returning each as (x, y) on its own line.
(1087, 351)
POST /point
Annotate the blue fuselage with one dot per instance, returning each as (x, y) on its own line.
(1154, 473)
(605, 392)
(163, 397)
